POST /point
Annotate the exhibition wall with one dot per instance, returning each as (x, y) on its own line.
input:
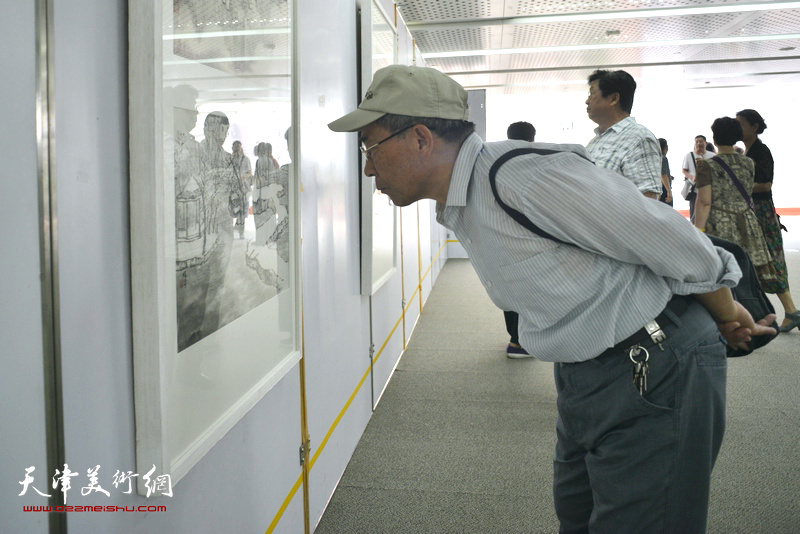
(23, 439)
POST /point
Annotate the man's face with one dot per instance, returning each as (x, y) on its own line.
(700, 145)
(598, 107)
(185, 120)
(393, 165)
(215, 132)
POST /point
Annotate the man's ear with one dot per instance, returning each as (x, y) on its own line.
(422, 137)
(614, 98)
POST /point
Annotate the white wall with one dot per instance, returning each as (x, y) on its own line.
(22, 440)
(676, 114)
(336, 316)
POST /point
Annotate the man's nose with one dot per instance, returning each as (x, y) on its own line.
(369, 168)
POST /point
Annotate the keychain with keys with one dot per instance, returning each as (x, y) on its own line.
(639, 357)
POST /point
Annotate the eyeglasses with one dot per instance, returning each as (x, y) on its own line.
(367, 151)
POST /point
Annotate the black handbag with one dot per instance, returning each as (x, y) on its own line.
(748, 292)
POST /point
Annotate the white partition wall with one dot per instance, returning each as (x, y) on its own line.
(336, 315)
(23, 439)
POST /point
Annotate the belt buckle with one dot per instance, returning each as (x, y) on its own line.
(655, 332)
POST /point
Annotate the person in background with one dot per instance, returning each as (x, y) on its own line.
(722, 210)
(219, 185)
(244, 175)
(710, 148)
(265, 194)
(598, 296)
(620, 143)
(666, 177)
(521, 131)
(689, 169)
(752, 125)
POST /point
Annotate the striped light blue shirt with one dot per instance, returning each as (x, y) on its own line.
(630, 149)
(574, 301)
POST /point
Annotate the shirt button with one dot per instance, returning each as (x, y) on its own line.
(488, 283)
(469, 241)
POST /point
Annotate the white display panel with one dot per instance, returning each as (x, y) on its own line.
(214, 220)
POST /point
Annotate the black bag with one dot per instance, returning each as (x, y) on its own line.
(748, 292)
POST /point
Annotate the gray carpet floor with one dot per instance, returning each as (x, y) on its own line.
(463, 437)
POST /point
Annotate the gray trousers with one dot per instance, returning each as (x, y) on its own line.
(627, 462)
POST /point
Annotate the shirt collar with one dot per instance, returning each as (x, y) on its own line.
(462, 170)
(617, 126)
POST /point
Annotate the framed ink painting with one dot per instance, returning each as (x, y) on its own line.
(214, 219)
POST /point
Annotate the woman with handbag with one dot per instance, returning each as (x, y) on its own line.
(724, 208)
(752, 125)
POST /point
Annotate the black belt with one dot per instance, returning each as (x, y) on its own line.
(677, 305)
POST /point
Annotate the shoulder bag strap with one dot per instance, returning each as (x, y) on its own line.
(691, 158)
(516, 215)
(736, 182)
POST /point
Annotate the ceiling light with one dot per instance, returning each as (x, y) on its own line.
(606, 46)
(233, 33)
(225, 60)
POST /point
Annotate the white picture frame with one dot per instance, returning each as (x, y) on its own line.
(379, 217)
(216, 315)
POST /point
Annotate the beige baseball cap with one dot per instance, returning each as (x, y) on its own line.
(405, 90)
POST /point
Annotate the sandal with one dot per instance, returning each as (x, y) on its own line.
(795, 317)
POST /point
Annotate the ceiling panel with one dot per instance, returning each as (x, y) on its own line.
(561, 41)
(440, 10)
(480, 38)
(774, 22)
(521, 8)
(620, 30)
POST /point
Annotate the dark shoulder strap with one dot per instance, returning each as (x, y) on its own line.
(516, 215)
(736, 182)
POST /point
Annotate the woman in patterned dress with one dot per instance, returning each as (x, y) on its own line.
(721, 209)
(752, 125)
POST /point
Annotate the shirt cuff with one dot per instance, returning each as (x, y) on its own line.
(728, 276)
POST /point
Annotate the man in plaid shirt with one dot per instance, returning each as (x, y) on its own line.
(620, 143)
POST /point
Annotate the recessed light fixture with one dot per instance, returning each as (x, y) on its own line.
(786, 49)
(233, 33)
(610, 33)
(607, 46)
